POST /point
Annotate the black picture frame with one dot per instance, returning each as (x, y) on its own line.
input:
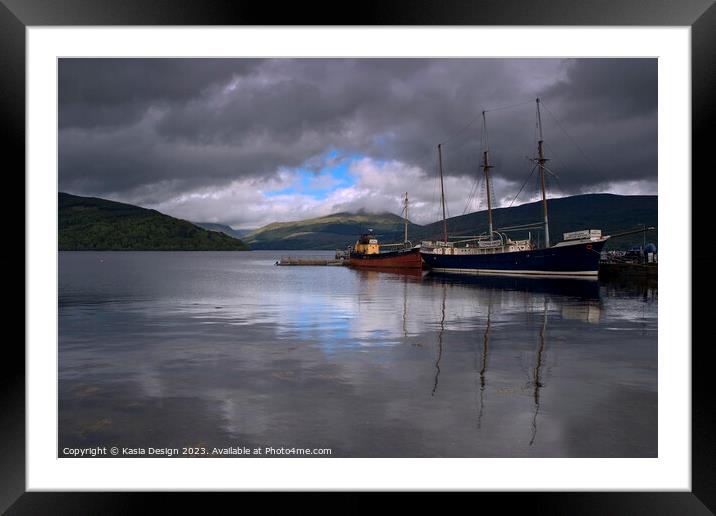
(700, 15)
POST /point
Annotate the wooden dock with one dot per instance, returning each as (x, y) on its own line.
(311, 261)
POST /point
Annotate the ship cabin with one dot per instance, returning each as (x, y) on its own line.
(367, 244)
(580, 237)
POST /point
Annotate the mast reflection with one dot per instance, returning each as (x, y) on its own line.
(537, 374)
(405, 308)
(497, 297)
(440, 341)
(483, 370)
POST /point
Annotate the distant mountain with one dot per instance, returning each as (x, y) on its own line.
(222, 228)
(88, 223)
(608, 212)
(93, 224)
(329, 232)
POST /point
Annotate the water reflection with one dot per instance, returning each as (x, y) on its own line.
(586, 288)
(375, 273)
(589, 311)
(180, 348)
(576, 299)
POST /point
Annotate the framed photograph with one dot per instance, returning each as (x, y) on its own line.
(271, 251)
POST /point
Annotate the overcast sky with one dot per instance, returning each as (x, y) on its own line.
(246, 142)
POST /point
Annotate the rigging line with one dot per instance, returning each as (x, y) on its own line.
(463, 129)
(470, 197)
(467, 126)
(523, 186)
(559, 183)
(459, 140)
(557, 160)
(474, 189)
(473, 194)
(559, 124)
(550, 172)
(510, 106)
(476, 196)
(500, 108)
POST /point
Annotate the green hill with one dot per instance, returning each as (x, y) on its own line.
(608, 212)
(87, 223)
(329, 232)
(221, 228)
(93, 224)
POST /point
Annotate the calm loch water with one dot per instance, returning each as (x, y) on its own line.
(225, 350)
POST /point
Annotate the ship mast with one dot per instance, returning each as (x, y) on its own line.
(405, 239)
(486, 167)
(442, 191)
(541, 161)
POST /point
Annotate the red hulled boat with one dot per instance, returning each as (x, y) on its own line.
(367, 252)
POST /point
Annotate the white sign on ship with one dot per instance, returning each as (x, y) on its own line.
(585, 233)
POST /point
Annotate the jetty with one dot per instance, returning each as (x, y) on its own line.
(338, 260)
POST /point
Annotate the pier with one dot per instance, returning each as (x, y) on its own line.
(312, 261)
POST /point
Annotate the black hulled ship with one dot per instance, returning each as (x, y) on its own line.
(495, 252)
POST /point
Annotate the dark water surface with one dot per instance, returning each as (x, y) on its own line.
(225, 349)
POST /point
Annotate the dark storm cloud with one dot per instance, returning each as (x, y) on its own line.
(621, 88)
(166, 126)
(114, 92)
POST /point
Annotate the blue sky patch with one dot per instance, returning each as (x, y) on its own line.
(333, 175)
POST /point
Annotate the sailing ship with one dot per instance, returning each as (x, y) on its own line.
(367, 251)
(496, 253)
